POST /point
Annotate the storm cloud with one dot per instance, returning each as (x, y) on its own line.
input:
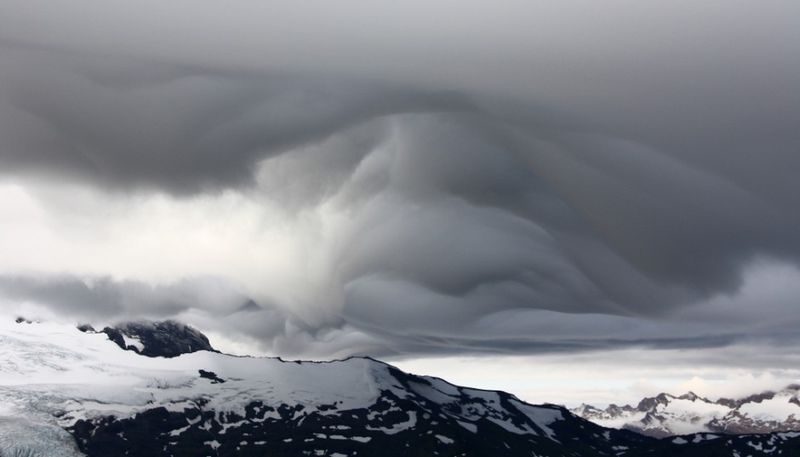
(406, 179)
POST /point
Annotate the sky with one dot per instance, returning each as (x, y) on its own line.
(596, 201)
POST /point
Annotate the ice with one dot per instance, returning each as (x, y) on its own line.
(22, 438)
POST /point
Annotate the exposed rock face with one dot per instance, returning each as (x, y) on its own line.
(210, 375)
(158, 339)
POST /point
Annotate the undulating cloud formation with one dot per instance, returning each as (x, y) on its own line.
(403, 179)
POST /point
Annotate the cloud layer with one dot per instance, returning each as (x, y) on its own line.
(519, 179)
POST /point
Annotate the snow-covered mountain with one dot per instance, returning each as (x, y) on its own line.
(667, 415)
(66, 392)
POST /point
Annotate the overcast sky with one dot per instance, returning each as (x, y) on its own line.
(459, 182)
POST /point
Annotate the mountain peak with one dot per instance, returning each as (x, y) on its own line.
(691, 396)
(649, 403)
(158, 339)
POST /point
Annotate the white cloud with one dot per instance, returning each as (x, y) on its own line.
(620, 377)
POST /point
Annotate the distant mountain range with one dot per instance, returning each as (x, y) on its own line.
(66, 392)
(668, 415)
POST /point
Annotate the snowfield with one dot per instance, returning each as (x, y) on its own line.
(53, 376)
(83, 374)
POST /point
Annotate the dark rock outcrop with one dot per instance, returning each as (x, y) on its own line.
(158, 339)
(211, 375)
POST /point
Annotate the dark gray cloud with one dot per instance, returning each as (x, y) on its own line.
(528, 179)
(104, 298)
(126, 124)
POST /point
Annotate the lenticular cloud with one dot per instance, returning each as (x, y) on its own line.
(386, 184)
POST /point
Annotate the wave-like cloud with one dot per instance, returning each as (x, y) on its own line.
(516, 179)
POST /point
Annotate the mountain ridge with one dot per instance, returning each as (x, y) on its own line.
(666, 415)
(59, 385)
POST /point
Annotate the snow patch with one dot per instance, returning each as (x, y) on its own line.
(132, 341)
(444, 439)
